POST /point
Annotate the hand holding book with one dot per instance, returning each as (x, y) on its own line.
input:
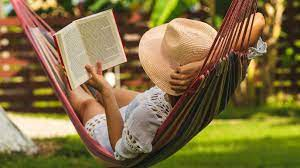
(86, 41)
(97, 80)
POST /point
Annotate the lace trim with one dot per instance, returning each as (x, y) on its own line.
(132, 142)
(118, 157)
(160, 107)
(116, 154)
(92, 123)
(131, 146)
(158, 104)
(258, 50)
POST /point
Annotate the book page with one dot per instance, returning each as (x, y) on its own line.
(101, 39)
(73, 55)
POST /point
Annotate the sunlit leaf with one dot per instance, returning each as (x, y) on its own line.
(98, 5)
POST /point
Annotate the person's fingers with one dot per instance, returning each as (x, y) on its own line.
(90, 82)
(88, 69)
(91, 70)
(179, 76)
(189, 68)
(99, 68)
(180, 82)
(178, 69)
(179, 88)
(186, 69)
(180, 91)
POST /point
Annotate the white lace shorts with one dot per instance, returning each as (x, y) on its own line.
(97, 128)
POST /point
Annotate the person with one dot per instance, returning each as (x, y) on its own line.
(125, 122)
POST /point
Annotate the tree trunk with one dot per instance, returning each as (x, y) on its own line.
(274, 13)
(12, 139)
(267, 64)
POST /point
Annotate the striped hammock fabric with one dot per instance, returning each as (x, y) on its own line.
(207, 96)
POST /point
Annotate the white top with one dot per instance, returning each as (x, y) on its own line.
(143, 117)
(146, 113)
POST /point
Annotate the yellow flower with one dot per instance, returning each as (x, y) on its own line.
(36, 5)
(52, 3)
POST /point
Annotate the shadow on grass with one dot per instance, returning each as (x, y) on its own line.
(68, 152)
(263, 153)
(259, 112)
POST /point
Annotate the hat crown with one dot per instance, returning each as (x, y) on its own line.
(187, 41)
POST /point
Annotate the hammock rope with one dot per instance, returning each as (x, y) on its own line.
(207, 96)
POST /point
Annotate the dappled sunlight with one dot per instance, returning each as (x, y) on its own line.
(259, 128)
(258, 144)
(267, 152)
(225, 143)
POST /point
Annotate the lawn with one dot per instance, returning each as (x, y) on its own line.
(271, 142)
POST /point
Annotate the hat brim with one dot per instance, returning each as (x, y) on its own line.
(155, 64)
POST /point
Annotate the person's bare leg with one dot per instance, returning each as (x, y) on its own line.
(89, 109)
(123, 96)
(84, 104)
(87, 106)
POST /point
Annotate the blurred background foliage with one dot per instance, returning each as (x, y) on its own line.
(264, 84)
(266, 105)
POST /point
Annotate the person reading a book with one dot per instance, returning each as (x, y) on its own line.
(125, 122)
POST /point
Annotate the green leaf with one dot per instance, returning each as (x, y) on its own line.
(98, 5)
(66, 4)
(289, 51)
(147, 5)
(162, 11)
(297, 43)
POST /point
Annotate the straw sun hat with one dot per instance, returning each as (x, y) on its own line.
(168, 46)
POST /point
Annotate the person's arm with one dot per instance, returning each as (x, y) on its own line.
(114, 119)
(124, 96)
(182, 77)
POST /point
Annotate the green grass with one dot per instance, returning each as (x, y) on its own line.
(271, 142)
(245, 112)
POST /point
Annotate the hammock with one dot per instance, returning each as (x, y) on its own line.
(207, 96)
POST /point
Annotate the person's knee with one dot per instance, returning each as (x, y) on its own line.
(90, 108)
(89, 103)
(260, 20)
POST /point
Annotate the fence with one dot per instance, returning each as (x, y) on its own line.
(25, 88)
(23, 84)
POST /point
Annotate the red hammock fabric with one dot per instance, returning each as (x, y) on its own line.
(238, 11)
(169, 134)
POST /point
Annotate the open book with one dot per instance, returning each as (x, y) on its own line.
(86, 41)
